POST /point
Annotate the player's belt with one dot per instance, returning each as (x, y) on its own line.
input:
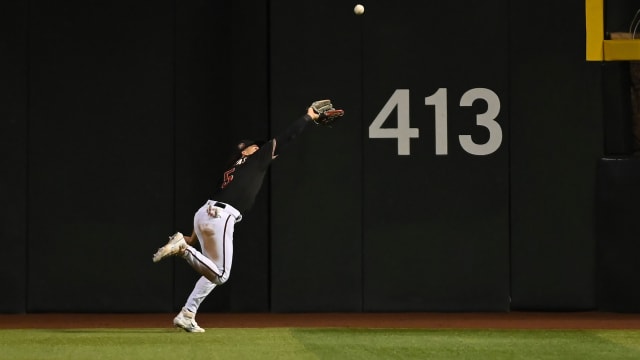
(227, 208)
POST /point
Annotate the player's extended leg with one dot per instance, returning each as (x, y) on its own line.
(177, 245)
(200, 291)
(214, 231)
(186, 319)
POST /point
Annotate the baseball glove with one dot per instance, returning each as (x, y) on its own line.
(328, 115)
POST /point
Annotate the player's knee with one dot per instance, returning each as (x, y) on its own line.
(221, 279)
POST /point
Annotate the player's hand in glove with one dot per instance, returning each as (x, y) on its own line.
(326, 114)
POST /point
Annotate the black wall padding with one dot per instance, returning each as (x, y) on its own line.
(435, 226)
(13, 155)
(556, 141)
(616, 101)
(356, 226)
(316, 185)
(101, 155)
(618, 234)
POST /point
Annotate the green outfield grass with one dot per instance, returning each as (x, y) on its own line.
(333, 343)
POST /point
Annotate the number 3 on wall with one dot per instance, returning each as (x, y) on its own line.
(404, 132)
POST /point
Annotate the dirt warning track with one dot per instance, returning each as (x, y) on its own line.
(512, 320)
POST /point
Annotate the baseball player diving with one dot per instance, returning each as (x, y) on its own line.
(214, 222)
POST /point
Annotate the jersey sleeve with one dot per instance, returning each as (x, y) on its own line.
(291, 133)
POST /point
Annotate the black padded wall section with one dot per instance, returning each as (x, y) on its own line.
(618, 139)
(556, 139)
(316, 187)
(618, 234)
(13, 154)
(435, 202)
(101, 154)
(391, 232)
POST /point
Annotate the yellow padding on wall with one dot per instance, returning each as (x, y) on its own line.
(594, 12)
(620, 50)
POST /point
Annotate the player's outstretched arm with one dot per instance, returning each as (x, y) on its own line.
(292, 131)
(321, 112)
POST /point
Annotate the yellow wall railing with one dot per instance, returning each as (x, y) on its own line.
(599, 49)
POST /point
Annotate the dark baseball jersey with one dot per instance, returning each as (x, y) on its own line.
(241, 183)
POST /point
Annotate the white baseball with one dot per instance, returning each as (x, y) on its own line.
(358, 9)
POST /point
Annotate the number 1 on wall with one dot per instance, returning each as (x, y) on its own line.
(439, 100)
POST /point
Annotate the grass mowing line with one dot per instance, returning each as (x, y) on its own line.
(327, 343)
(470, 344)
(628, 339)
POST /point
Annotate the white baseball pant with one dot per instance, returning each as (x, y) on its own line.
(213, 223)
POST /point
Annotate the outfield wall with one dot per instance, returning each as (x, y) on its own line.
(463, 177)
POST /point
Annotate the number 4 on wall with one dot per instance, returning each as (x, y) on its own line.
(404, 132)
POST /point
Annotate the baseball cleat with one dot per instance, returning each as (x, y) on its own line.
(175, 245)
(186, 321)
